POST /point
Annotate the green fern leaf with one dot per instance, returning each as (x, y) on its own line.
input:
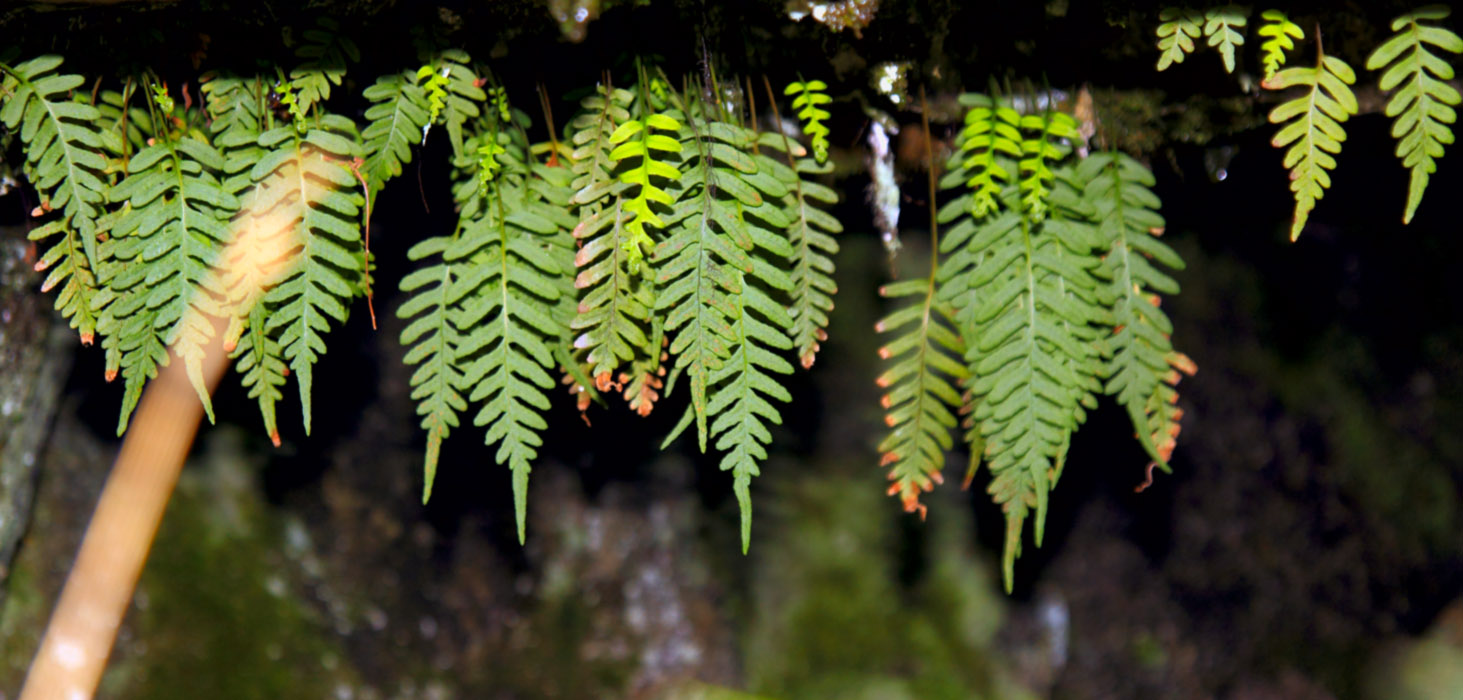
(922, 400)
(63, 158)
(811, 96)
(1314, 133)
(505, 293)
(1176, 34)
(1282, 34)
(637, 139)
(69, 268)
(326, 52)
(1129, 225)
(433, 342)
(259, 360)
(1040, 147)
(1423, 108)
(309, 202)
(161, 288)
(464, 93)
(810, 236)
(1033, 363)
(613, 315)
(395, 121)
(1223, 26)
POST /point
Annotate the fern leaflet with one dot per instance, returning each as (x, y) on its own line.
(326, 52)
(644, 148)
(811, 96)
(1424, 106)
(395, 121)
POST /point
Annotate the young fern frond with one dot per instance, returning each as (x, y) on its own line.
(1224, 28)
(63, 160)
(161, 288)
(1139, 362)
(637, 139)
(1039, 150)
(464, 94)
(395, 122)
(1282, 34)
(306, 215)
(1314, 133)
(1176, 34)
(326, 52)
(811, 96)
(1423, 108)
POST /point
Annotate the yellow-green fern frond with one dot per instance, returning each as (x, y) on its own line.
(1176, 34)
(1423, 107)
(1224, 27)
(1314, 133)
(636, 139)
(1282, 34)
(811, 96)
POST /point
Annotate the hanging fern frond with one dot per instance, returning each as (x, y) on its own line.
(68, 267)
(63, 158)
(811, 96)
(1223, 26)
(1176, 34)
(326, 52)
(1314, 133)
(1282, 34)
(811, 237)
(309, 206)
(613, 315)
(506, 291)
(395, 120)
(433, 341)
(161, 288)
(1129, 225)
(921, 399)
(1032, 363)
(1423, 108)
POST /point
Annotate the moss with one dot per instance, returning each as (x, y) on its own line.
(214, 615)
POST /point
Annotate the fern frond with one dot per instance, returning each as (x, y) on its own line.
(1129, 226)
(326, 52)
(464, 94)
(63, 157)
(637, 139)
(991, 130)
(69, 268)
(505, 292)
(1282, 34)
(259, 360)
(1314, 133)
(1423, 108)
(309, 207)
(1176, 34)
(922, 400)
(433, 342)
(811, 96)
(1223, 26)
(1033, 362)
(813, 246)
(1041, 145)
(395, 121)
(162, 290)
(612, 318)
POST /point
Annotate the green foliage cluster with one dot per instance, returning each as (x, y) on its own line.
(657, 241)
(1042, 295)
(1421, 101)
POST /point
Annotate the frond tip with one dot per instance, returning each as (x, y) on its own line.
(1176, 34)
(1282, 34)
(1423, 108)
